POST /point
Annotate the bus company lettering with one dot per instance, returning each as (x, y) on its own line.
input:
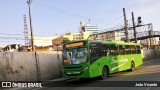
(74, 44)
(117, 61)
(122, 61)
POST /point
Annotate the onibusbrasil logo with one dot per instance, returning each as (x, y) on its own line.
(20, 84)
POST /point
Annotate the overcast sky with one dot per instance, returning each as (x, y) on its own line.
(52, 17)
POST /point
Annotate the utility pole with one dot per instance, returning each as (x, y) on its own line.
(150, 34)
(134, 28)
(32, 38)
(125, 25)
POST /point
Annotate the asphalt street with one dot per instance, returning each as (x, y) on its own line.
(149, 72)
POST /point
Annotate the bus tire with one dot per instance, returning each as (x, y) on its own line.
(132, 66)
(104, 73)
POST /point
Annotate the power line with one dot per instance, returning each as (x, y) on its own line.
(19, 38)
(10, 41)
(113, 28)
(114, 21)
(11, 38)
(75, 15)
(23, 40)
(118, 24)
(11, 34)
(62, 11)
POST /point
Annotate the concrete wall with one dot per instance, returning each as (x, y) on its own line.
(40, 66)
(151, 54)
(29, 66)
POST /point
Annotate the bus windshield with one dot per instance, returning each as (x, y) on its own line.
(75, 55)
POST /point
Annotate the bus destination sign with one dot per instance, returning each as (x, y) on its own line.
(74, 44)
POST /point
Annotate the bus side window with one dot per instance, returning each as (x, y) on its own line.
(138, 49)
(108, 51)
(94, 53)
(127, 49)
(133, 49)
(121, 50)
(114, 50)
(105, 50)
(91, 54)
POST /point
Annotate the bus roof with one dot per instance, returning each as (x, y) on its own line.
(107, 42)
(115, 42)
(119, 42)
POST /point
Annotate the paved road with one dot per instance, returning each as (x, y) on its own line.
(149, 71)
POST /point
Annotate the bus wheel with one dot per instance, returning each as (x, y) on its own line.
(104, 73)
(132, 66)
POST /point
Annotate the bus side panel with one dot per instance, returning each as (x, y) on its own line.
(138, 60)
(120, 63)
(107, 61)
(112, 62)
(97, 66)
(123, 62)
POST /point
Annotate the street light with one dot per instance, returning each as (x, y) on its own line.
(32, 38)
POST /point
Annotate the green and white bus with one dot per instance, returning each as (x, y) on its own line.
(88, 59)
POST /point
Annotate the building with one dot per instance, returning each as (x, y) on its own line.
(12, 48)
(150, 43)
(43, 43)
(110, 36)
(85, 31)
(86, 35)
(77, 36)
(69, 35)
(1, 49)
(57, 43)
(88, 28)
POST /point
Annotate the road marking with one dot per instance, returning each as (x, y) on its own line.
(148, 88)
(151, 87)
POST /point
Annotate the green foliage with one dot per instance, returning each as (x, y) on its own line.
(66, 40)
